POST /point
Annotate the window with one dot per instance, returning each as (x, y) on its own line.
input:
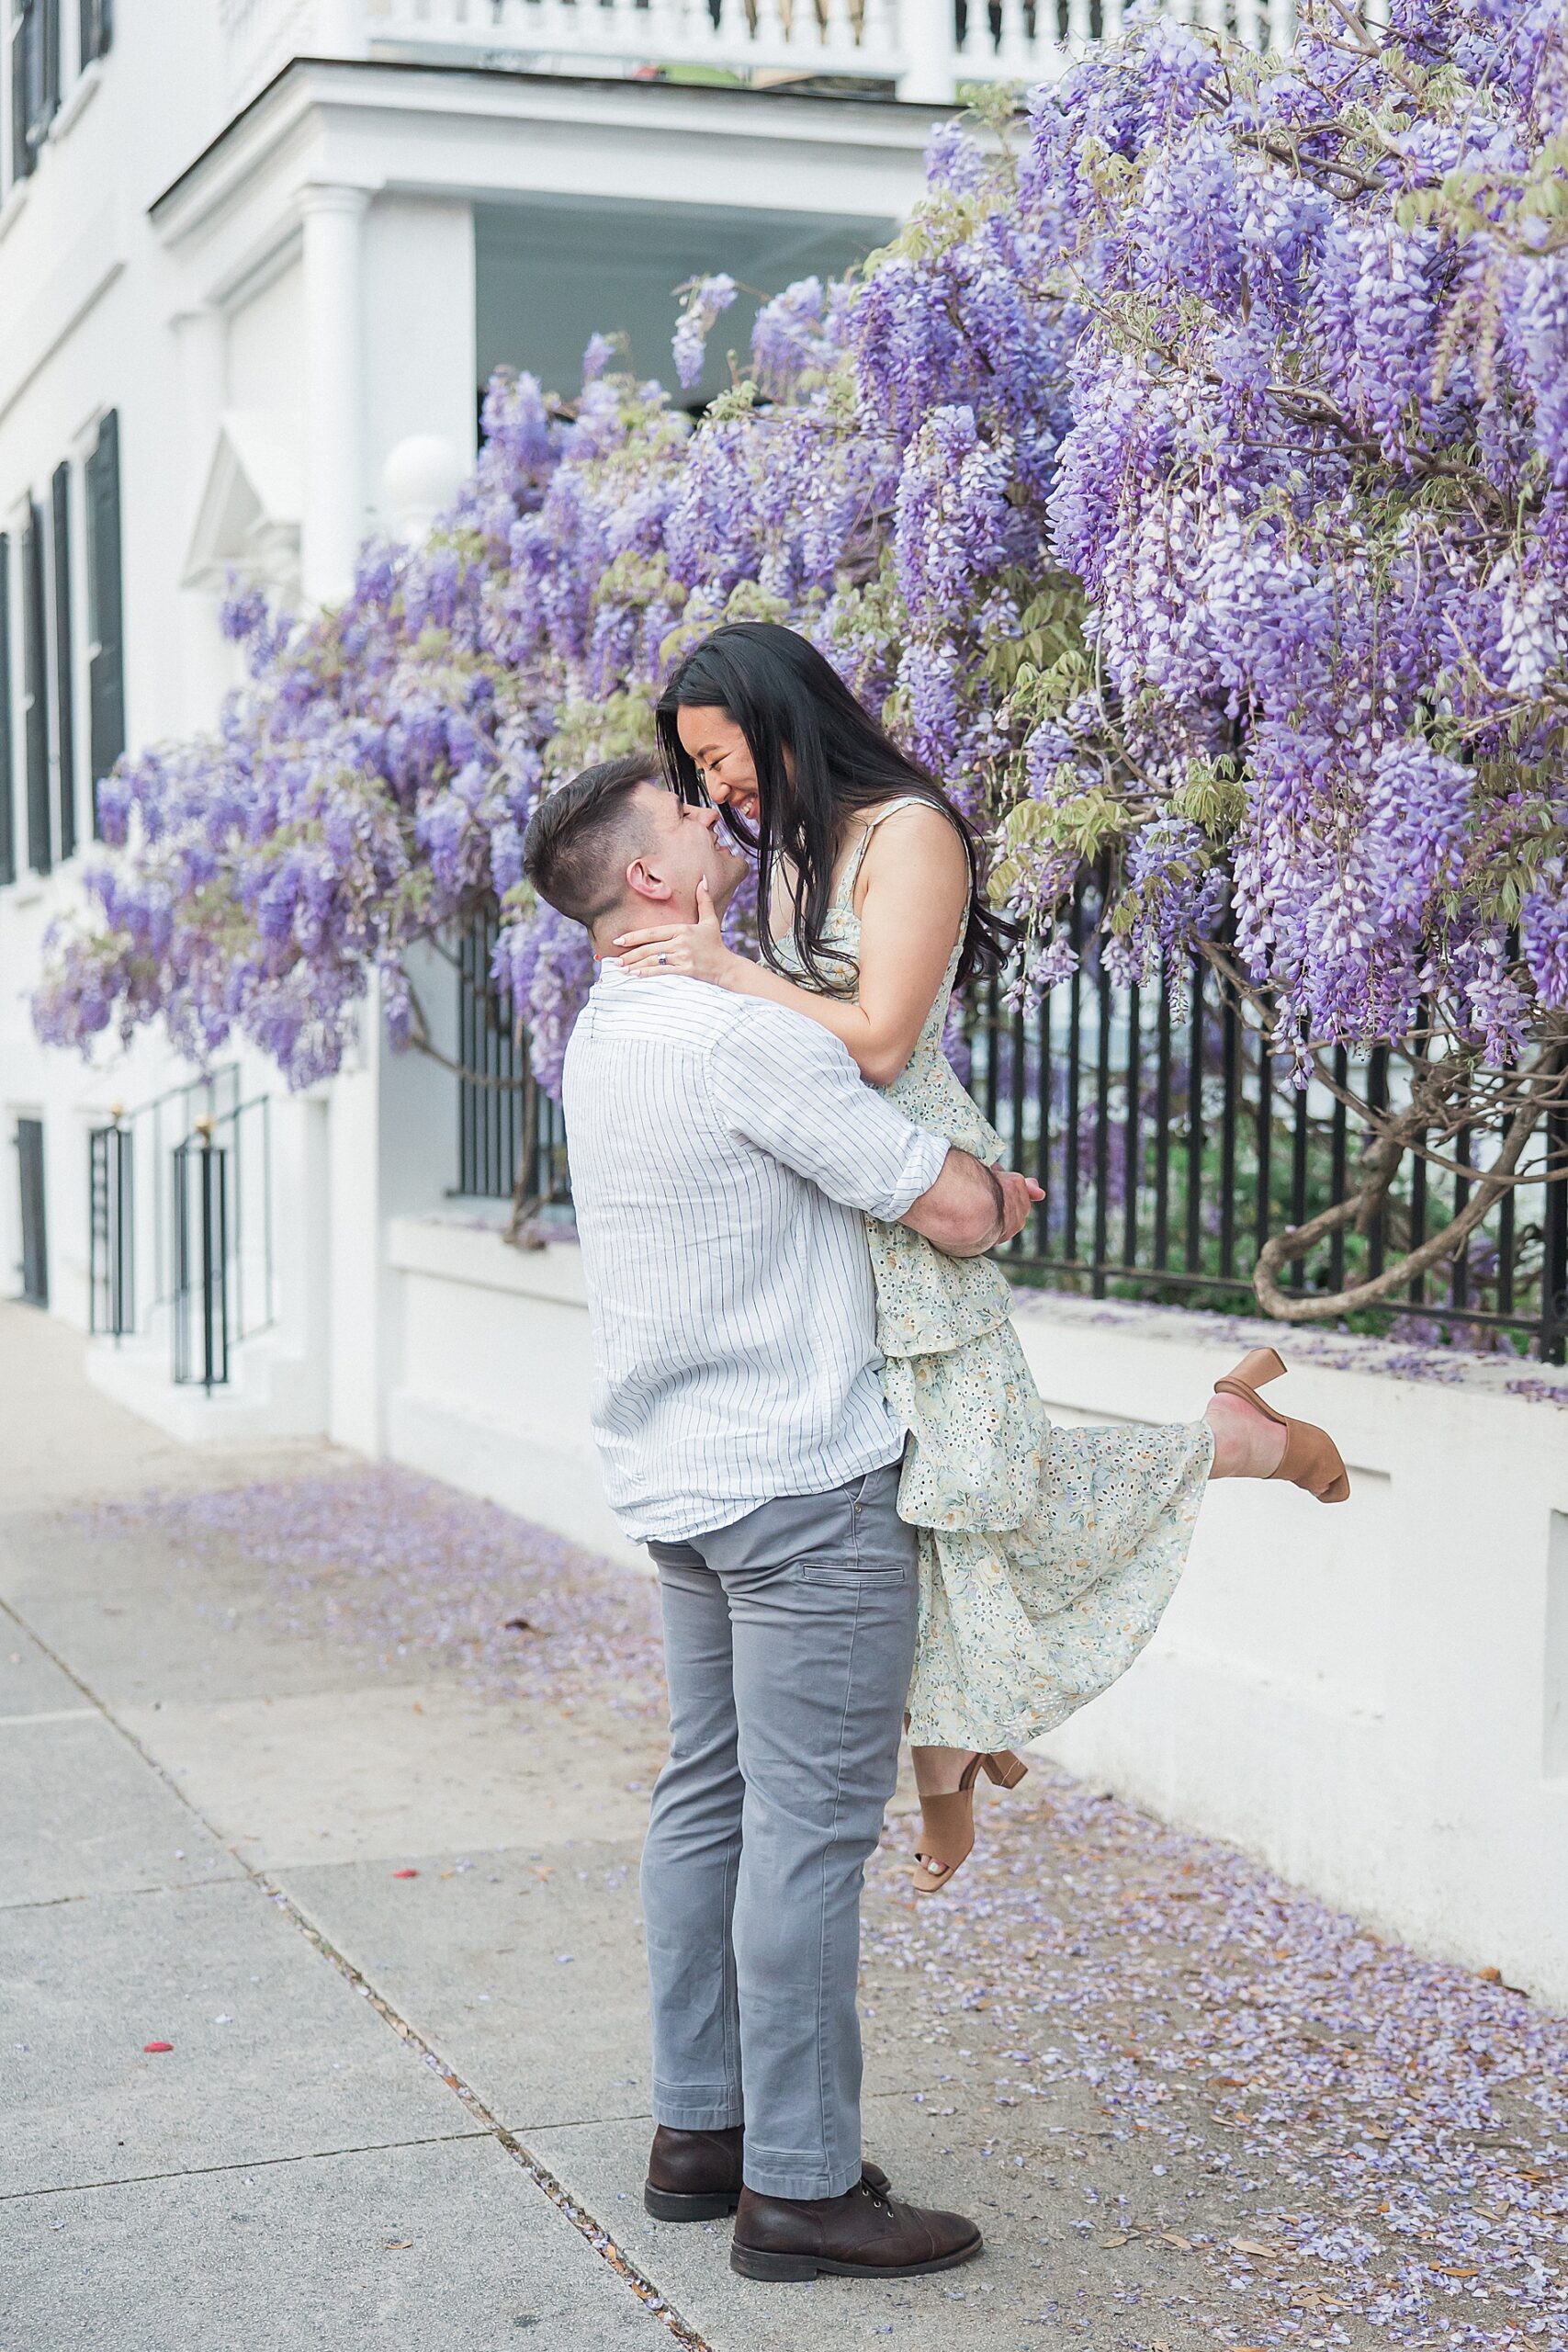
(105, 655)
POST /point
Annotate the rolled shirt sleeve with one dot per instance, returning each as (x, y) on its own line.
(792, 1089)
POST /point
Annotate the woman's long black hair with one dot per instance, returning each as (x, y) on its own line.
(783, 695)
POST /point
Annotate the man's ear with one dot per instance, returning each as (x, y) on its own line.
(644, 883)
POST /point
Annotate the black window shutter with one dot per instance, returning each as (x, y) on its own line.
(22, 158)
(35, 692)
(64, 664)
(7, 813)
(106, 658)
(98, 28)
(35, 80)
(51, 61)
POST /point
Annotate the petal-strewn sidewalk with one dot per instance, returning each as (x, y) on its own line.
(334, 1779)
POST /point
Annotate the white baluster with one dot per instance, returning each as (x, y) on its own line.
(1015, 50)
(1079, 25)
(1246, 24)
(538, 27)
(879, 33)
(713, 42)
(666, 32)
(841, 38)
(615, 31)
(775, 41)
(1048, 57)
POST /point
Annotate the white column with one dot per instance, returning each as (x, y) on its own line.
(419, 263)
(199, 664)
(929, 49)
(334, 520)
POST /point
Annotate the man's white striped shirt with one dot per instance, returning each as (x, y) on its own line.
(723, 1152)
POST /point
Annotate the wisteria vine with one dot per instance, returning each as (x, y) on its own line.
(1186, 484)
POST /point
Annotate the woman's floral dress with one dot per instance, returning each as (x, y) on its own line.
(1047, 1555)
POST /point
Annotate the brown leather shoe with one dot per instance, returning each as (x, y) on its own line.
(866, 2234)
(696, 2176)
(693, 2176)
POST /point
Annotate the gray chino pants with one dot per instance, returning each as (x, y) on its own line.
(789, 1639)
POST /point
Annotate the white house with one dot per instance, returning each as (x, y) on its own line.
(257, 257)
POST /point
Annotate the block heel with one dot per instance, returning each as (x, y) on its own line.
(667, 2205)
(1311, 1460)
(752, 2263)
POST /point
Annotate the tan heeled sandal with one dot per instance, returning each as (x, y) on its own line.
(1311, 1459)
(947, 1822)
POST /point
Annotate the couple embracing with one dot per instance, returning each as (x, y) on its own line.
(812, 1408)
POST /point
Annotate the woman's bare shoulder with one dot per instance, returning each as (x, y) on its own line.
(914, 834)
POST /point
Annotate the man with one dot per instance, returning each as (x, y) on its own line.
(724, 1152)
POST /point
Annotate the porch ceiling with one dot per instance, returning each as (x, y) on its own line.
(550, 271)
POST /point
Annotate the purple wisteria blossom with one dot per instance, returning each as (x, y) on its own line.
(708, 298)
(1187, 485)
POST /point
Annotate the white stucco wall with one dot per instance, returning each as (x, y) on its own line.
(1372, 1697)
(159, 263)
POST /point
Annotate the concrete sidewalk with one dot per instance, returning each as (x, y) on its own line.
(386, 1916)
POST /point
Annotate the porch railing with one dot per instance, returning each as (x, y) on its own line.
(1169, 1145)
(919, 50)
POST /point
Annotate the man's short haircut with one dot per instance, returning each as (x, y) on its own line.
(581, 838)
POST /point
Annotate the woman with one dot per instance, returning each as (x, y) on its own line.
(1047, 1555)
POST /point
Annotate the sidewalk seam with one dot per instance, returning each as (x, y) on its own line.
(121, 1894)
(240, 2164)
(586, 2226)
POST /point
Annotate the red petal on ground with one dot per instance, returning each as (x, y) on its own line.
(405, 1874)
(157, 2045)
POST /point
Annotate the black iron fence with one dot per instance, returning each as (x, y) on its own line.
(111, 1248)
(505, 1123)
(1171, 1145)
(181, 1227)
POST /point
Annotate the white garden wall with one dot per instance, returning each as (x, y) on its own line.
(1373, 1698)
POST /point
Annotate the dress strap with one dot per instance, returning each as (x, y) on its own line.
(888, 809)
